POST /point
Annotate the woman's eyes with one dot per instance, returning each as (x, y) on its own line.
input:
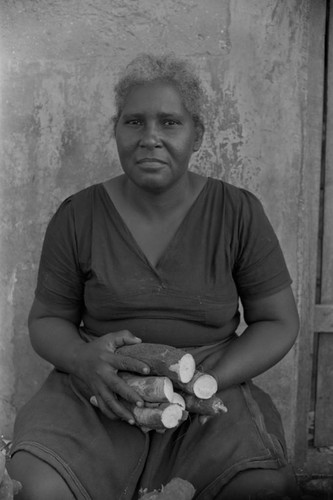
(171, 123)
(135, 122)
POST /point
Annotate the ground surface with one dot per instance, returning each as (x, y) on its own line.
(317, 488)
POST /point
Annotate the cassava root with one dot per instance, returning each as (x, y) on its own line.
(211, 406)
(151, 388)
(179, 400)
(202, 385)
(172, 371)
(177, 488)
(163, 416)
(163, 360)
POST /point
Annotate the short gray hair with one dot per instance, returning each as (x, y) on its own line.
(149, 68)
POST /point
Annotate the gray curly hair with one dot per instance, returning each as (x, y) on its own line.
(149, 68)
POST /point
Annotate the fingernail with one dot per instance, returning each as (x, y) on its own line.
(131, 422)
(93, 401)
(203, 420)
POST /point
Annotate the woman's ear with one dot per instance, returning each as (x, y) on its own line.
(199, 131)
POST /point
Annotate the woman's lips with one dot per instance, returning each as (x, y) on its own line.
(151, 160)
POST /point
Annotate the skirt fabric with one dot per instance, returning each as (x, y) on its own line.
(99, 458)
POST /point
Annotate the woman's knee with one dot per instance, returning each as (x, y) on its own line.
(261, 484)
(38, 479)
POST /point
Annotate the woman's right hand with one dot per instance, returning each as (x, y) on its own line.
(96, 366)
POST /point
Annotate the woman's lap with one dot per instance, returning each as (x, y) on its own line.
(262, 484)
(61, 427)
(99, 458)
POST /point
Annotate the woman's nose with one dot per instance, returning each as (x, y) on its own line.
(150, 137)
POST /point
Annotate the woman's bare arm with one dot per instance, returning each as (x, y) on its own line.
(55, 337)
(272, 330)
(54, 334)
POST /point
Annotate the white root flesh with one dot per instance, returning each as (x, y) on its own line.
(202, 385)
(165, 416)
(179, 400)
(184, 368)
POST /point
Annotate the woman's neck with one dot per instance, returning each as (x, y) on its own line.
(157, 203)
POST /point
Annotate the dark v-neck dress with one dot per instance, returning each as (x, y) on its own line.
(224, 249)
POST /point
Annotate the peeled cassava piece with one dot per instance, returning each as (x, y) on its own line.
(162, 416)
(176, 489)
(163, 360)
(202, 385)
(153, 389)
(179, 400)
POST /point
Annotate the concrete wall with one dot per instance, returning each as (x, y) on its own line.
(59, 60)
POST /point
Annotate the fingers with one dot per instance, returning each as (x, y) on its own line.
(107, 388)
(124, 337)
(95, 399)
(125, 363)
(105, 407)
(112, 341)
(108, 403)
(118, 339)
(117, 385)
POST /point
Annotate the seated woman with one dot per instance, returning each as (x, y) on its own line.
(160, 255)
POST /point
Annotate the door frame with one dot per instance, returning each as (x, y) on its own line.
(307, 458)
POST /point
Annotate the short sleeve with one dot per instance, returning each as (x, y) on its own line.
(260, 268)
(60, 280)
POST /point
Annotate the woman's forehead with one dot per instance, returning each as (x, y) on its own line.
(162, 97)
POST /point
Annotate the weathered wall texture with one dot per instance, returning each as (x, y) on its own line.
(59, 60)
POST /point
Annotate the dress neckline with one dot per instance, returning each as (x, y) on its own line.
(127, 233)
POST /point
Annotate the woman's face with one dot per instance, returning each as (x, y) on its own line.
(156, 136)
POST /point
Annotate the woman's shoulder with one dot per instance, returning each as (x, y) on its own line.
(78, 207)
(83, 196)
(233, 195)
